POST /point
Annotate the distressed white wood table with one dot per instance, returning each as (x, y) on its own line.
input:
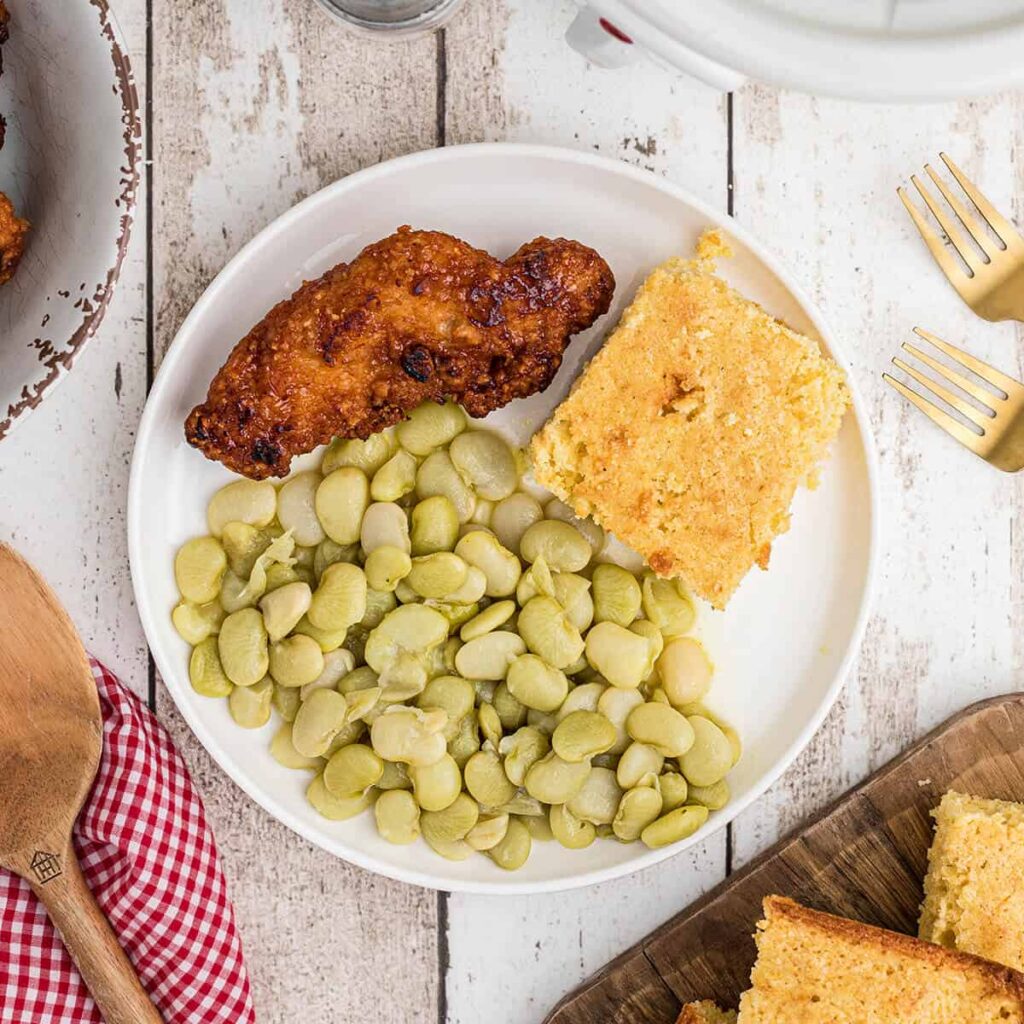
(251, 106)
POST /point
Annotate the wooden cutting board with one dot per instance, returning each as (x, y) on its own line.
(864, 857)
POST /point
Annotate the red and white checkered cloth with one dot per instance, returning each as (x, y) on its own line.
(149, 858)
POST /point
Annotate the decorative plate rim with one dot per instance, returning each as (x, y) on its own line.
(59, 363)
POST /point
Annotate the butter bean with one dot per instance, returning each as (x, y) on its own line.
(336, 808)
(616, 595)
(582, 735)
(352, 769)
(618, 654)
(562, 546)
(317, 723)
(536, 684)
(397, 816)
(436, 785)
(430, 426)
(570, 831)
(709, 756)
(598, 798)
(685, 671)
(242, 646)
(637, 809)
(242, 501)
(205, 671)
(296, 660)
(674, 826)
(296, 508)
(341, 500)
(514, 849)
(661, 727)
(199, 567)
(249, 706)
(554, 781)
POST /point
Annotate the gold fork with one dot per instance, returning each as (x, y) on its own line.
(999, 422)
(993, 282)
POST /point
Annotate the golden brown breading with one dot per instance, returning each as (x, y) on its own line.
(12, 239)
(814, 968)
(689, 432)
(973, 892)
(418, 315)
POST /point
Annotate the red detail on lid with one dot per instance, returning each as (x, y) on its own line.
(612, 30)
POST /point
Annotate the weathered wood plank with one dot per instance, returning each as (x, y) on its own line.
(816, 180)
(64, 470)
(510, 76)
(253, 110)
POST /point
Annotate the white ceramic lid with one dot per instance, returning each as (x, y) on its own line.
(887, 50)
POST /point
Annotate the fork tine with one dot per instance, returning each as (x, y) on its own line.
(956, 239)
(949, 266)
(1006, 232)
(974, 229)
(940, 418)
(965, 409)
(987, 373)
(979, 394)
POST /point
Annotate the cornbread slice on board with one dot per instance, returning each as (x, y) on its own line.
(813, 968)
(706, 1012)
(974, 889)
(690, 430)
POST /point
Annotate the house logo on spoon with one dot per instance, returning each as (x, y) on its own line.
(46, 866)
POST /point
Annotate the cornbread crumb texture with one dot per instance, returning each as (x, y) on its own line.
(706, 1012)
(691, 429)
(813, 968)
(974, 889)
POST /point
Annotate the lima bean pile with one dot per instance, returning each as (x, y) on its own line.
(440, 647)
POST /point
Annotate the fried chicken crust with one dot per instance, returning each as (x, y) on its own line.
(12, 239)
(418, 315)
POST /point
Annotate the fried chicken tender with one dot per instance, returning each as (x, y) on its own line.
(12, 239)
(418, 315)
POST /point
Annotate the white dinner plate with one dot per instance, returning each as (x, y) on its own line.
(781, 649)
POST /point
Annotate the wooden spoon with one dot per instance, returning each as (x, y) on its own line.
(51, 737)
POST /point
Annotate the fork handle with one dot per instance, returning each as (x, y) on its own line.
(93, 946)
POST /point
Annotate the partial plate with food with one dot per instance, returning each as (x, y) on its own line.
(784, 643)
(70, 166)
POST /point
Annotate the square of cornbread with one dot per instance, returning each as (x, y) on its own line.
(974, 889)
(692, 427)
(705, 1012)
(813, 968)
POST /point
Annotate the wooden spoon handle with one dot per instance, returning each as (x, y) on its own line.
(93, 946)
